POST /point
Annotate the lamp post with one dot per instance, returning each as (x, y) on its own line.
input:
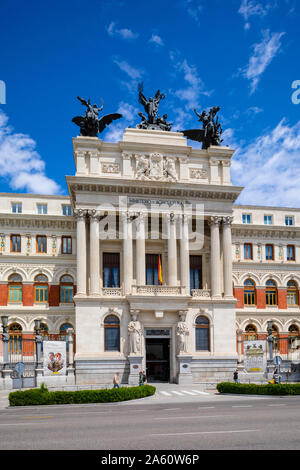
(38, 342)
(5, 339)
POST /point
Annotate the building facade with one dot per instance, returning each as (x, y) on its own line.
(150, 262)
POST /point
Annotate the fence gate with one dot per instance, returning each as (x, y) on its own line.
(22, 350)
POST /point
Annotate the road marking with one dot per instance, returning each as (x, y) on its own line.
(171, 409)
(206, 407)
(178, 393)
(204, 432)
(200, 392)
(279, 404)
(166, 393)
(192, 417)
(36, 417)
(241, 406)
(189, 393)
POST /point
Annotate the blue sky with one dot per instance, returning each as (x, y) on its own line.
(242, 55)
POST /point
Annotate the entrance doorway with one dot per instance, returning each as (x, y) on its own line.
(158, 359)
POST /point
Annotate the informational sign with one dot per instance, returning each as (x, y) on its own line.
(55, 357)
(255, 357)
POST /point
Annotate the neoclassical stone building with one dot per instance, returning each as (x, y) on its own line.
(150, 261)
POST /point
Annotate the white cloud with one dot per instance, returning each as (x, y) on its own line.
(116, 130)
(195, 87)
(269, 168)
(254, 110)
(194, 9)
(157, 40)
(124, 33)
(132, 72)
(250, 8)
(20, 164)
(263, 54)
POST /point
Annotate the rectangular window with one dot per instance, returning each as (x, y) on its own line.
(67, 210)
(202, 339)
(16, 208)
(248, 251)
(41, 244)
(66, 294)
(66, 245)
(15, 294)
(111, 269)
(289, 220)
(152, 270)
(15, 243)
(195, 273)
(42, 209)
(112, 339)
(41, 294)
(246, 218)
(290, 256)
(269, 252)
(291, 298)
(268, 220)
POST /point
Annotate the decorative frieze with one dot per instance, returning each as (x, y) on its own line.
(198, 173)
(110, 168)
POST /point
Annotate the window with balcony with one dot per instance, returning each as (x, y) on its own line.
(41, 244)
(294, 337)
(111, 269)
(292, 293)
(152, 262)
(15, 338)
(15, 243)
(195, 272)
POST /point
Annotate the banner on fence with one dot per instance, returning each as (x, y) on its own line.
(54, 357)
(255, 356)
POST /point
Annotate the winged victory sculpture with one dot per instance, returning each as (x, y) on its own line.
(153, 121)
(211, 131)
(90, 124)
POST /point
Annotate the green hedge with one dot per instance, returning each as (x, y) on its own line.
(43, 397)
(253, 389)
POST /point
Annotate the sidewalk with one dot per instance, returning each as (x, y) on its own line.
(4, 398)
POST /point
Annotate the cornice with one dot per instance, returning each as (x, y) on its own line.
(261, 231)
(34, 221)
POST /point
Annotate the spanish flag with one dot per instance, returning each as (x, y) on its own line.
(159, 272)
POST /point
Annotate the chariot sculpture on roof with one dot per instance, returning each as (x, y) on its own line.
(153, 121)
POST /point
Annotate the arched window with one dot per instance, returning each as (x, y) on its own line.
(292, 293)
(15, 288)
(41, 288)
(271, 292)
(250, 333)
(112, 333)
(44, 330)
(249, 292)
(66, 289)
(202, 333)
(293, 337)
(15, 338)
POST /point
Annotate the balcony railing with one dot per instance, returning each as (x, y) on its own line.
(157, 290)
(112, 292)
(201, 293)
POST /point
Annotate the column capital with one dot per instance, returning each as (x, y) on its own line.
(93, 214)
(214, 220)
(80, 213)
(227, 220)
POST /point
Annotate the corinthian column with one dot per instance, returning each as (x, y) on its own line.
(215, 257)
(94, 253)
(81, 251)
(140, 250)
(127, 253)
(227, 256)
(172, 252)
(185, 255)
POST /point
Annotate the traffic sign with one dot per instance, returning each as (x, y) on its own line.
(277, 360)
(20, 367)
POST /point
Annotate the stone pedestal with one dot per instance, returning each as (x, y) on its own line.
(7, 380)
(184, 374)
(135, 363)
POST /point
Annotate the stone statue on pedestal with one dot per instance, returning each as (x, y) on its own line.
(154, 121)
(182, 334)
(135, 336)
(211, 131)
